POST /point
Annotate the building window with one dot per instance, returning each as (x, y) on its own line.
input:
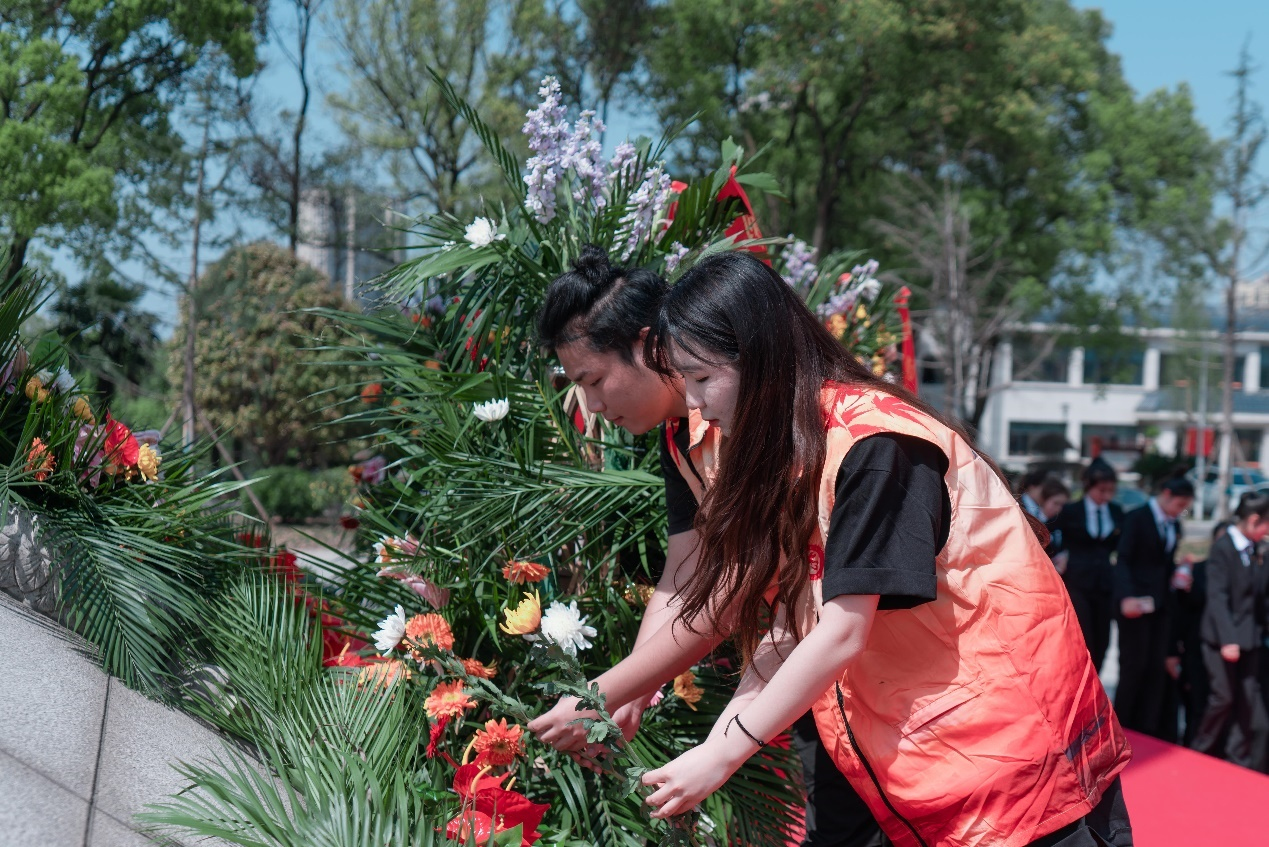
(1031, 438)
(1101, 438)
(1121, 366)
(1248, 446)
(1182, 369)
(1034, 360)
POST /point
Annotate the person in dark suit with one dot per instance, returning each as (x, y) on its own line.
(1185, 661)
(1233, 629)
(1089, 530)
(1143, 583)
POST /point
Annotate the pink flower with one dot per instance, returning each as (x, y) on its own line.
(422, 586)
(90, 437)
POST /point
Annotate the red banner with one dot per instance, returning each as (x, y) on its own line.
(909, 346)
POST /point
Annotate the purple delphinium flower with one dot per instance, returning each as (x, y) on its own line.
(583, 153)
(799, 264)
(644, 209)
(839, 304)
(548, 132)
(621, 166)
(676, 255)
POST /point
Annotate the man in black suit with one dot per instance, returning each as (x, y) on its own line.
(1232, 629)
(1089, 530)
(1143, 578)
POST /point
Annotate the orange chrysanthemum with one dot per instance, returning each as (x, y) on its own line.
(429, 629)
(382, 674)
(448, 700)
(523, 572)
(40, 460)
(475, 667)
(685, 688)
(498, 744)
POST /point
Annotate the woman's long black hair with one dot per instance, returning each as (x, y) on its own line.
(733, 309)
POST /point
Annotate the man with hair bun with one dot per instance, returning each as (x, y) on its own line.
(596, 319)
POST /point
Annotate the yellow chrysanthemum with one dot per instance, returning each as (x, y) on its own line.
(837, 326)
(525, 618)
(33, 388)
(148, 462)
(83, 410)
(686, 689)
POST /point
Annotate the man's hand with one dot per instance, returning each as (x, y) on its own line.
(1231, 652)
(1173, 665)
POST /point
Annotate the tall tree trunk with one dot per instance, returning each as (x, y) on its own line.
(189, 430)
(17, 261)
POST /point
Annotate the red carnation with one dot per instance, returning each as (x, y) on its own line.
(121, 447)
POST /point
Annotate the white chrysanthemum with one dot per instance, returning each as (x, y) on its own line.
(64, 383)
(491, 410)
(565, 626)
(869, 289)
(482, 232)
(391, 631)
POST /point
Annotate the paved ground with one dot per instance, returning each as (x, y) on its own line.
(80, 754)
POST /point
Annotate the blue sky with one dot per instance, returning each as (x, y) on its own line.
(1167, 42)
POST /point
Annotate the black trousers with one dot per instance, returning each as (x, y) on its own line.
(1143, 673)
(836, 816)
(1234, 725)
(1094, 609)
(1107, 824)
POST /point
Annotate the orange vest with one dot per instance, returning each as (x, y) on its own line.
(976, 718)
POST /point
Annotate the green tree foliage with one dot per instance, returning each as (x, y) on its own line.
(1056, 165)
(86, 94)
(107, 333)
(487, 50)
(259, 379)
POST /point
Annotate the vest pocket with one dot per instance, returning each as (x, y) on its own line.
(938, 707)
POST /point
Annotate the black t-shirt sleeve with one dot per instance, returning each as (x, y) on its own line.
(680, 502)
(889, 522)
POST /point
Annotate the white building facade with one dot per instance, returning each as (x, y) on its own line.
(1145, 399)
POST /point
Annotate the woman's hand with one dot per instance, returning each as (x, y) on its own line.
(554, 727)
(630, 716)
(695, 775)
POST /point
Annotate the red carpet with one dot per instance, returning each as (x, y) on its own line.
(1179, 798)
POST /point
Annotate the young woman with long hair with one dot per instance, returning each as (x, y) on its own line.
(595, 319)
(871, 565)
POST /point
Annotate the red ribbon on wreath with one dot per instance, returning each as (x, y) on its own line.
(909, 347)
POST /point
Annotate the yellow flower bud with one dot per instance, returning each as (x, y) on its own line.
(525, 618)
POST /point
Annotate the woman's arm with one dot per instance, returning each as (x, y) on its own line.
(670, 651)
(764, 710)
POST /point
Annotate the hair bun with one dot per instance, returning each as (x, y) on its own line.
(594, 265)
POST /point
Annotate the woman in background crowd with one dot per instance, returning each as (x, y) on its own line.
(1233, 629)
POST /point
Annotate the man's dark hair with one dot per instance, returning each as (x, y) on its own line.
(605, 305)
